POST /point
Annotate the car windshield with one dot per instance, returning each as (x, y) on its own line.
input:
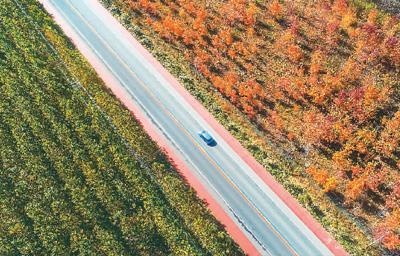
(206, 136)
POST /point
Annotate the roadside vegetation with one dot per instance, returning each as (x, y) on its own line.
(392, 6)
(78, 175)
(311, 88)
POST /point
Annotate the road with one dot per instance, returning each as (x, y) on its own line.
(267, 222)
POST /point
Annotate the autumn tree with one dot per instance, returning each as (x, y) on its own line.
(276, 9)
(355, 188)
(390, 136)
(250, 16)
(388, 231)
(323, 178)
(294, 52)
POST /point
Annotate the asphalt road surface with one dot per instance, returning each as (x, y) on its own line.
(268, 223)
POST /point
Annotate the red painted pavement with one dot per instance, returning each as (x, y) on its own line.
(113, 84)
(215, 208)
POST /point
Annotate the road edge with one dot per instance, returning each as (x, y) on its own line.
(114, 85)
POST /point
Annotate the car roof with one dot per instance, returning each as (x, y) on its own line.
(206, 135)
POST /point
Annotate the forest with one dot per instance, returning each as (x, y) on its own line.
(319, 79)
(78, 174)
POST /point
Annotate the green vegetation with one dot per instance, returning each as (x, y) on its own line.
(78, 175)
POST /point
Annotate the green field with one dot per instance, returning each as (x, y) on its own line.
(78, 175)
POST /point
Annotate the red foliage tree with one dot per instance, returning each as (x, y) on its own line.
(388, 230)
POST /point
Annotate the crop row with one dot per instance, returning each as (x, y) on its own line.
(72, 182)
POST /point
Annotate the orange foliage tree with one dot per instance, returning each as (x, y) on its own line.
(276, 9)
(323, 178)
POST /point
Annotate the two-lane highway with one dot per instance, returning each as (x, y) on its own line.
(268, 223)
